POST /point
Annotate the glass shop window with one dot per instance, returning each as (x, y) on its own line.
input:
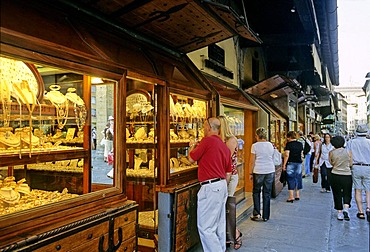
(47, 145)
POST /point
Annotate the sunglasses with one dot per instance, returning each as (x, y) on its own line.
(209, 122)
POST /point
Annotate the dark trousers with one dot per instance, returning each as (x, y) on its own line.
(263, 181)
(325, 176)
(342, 190)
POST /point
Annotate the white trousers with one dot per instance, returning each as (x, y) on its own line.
(212, 216)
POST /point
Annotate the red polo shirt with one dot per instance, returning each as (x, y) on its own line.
(214, 158)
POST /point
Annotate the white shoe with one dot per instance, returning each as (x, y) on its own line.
(340, 216)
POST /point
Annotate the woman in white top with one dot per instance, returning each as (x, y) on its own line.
(324, 164)
(263, 168)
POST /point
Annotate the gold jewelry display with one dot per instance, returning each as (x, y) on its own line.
(8, 139)
(26, 136)
(79, 107)
(5, 101)
(8, 195)
(60, 103)
(140, 134)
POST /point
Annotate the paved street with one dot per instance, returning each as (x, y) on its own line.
(303, 226)
(306, 225)
(100, 168)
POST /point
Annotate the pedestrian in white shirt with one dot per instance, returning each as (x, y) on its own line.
(360, 147)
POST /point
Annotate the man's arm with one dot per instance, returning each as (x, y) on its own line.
(228, 177)
(192, 145)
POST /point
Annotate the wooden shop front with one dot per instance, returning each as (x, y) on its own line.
(83, 69)
(264, 94)
(242, 118)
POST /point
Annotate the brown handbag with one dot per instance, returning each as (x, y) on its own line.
(315, 176)
(230, 219)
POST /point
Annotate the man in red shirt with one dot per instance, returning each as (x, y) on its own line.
(214, 171)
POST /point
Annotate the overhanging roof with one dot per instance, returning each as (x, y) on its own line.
(181, 25)
(272, 88)
(38, 33)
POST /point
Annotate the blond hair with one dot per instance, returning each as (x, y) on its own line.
(261, 132)
(225, 131)
(316, 137)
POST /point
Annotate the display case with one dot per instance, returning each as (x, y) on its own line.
(235, 118)
(46, 155)
(157, 142)
(241, 116)
(43, 153)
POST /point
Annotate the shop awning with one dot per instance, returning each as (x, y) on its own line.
(325, 106)
(274, 114)
(40, 32)
(236, 21)
(230, 94)
(272, 88)
(183, 25)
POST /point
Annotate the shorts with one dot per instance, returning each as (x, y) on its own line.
(361, 177)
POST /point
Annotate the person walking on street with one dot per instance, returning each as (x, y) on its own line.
(214, 171)
(263, 172)
(324, 164)
(307, 158)
(292, 164)
(305, 144)
(360, 147)
(93, 136)
(341, 177)
(104, 142)
(232, 143)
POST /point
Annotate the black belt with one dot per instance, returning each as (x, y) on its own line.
(362, 164)
(210, 181)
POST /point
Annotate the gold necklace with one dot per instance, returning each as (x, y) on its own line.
(60, 103)
(79, 107)
(5, 101)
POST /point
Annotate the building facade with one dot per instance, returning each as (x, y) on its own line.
(356, 106)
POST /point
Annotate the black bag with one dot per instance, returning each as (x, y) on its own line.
(307, 147)
(231, 219)
(282, 178)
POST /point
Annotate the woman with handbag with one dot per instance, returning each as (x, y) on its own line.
(341, 177)
(263, 174)
(232, 143)
(316, 156)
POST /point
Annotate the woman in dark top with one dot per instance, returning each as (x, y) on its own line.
(293, 165)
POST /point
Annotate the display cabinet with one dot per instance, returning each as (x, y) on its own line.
(157, 142)
(43, 152)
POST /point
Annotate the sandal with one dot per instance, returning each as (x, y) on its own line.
(361, 216)
(368, 214)
(256, 217)
(238, 241)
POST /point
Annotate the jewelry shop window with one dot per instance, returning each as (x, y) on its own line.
(49, 152)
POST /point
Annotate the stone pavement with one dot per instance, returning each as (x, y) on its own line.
(100, 168)
(307, 225)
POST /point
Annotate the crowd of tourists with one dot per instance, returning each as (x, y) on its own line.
(342, 165)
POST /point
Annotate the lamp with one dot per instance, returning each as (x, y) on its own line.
(96, 80)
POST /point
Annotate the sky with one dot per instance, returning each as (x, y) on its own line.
(353, 42)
